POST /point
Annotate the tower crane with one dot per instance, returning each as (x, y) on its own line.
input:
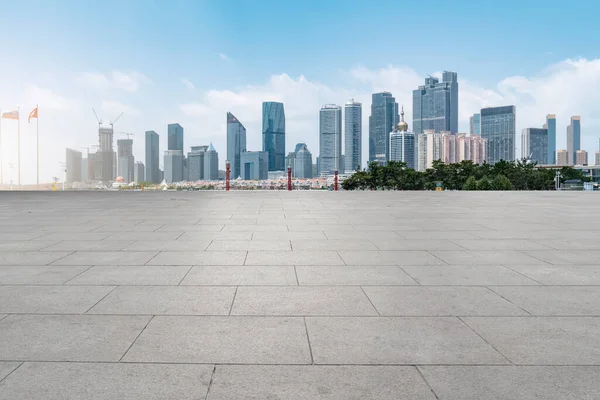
(125, 133)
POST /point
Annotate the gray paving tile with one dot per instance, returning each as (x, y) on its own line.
(416, 244)
(499, 244)
(236, 340)
(439, 301)
(30, 245)
(509, 383)
(562, 274)
(131, 275)
(89, 245)
(106, 258)
(489, 257)
(561, 257)
(5, 369)
(240, 275)
(88, 236)
(356, 235)
(318, 382)
(168, 245)
(209, 236)
(118, 228)
(26, 258)
(199, 258)
(249, 245)
(466, 275)
(336, 244)
(38, 275)
(542, 340)
(408, 257)
(2, 316)
(293, 258)
(20, 236)
(255, 228)
(153, 236)
(68, 337)
(191, 228)
(288, 235)
(353, 275)
(565, 244)
(295, 300)
(95, 381)
(166, 300)
(394, 340)
(554, 300)
(50, 299)
(432, 234)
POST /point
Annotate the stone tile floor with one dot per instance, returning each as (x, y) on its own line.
(302, 295)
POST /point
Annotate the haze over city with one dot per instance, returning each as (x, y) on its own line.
(191, 63)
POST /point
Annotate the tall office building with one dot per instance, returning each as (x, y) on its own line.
(534, 145)
(173, 166)
(211, 164)
(152, 157)
(236, 144)
(550, 125)
(330, 139)
(421, 151)
(498, 126)
(139, 172)
(435, 104)
(573, 139)
(125, 160)
(352, 135)
(384, 117)
(273, 134)
(73, 166)
(195, 163)
(254, 165)
(581, 157)
(403, 144)
(562, 157)
(303, 163)
(175, 137)
(597, 158)
(475, 122)
(434, 147)
(299, 147)
(105, 156)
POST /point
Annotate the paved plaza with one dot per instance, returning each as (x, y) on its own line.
(300, 295)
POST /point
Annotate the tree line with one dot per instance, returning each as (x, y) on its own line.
(465, 175)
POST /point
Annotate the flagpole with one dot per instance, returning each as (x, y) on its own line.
(1, 151)
(19, 147)
(37, 142)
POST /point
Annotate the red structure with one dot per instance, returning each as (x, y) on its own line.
(289, 178)
(335, 180)
(227, 175)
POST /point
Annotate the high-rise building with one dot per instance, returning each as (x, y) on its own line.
(534, 145)
(352, 135)
(173, 166)
(84, 169)
(330, 139)
(125, 159)
(449, 147)
(403, 144)
(471, 148)
(211, 164)
(581, 157)
(236, 144)
(152, 157)
(435, 104)
(175, 137)
(475, 122)
(273, 134)
(573, 138)
(303, 166)
(421, 151)
(550, 125)
(73, 166)
(597, 158)
(299, 147)
(434, 147)
(195, 163)
(562, 157)
(139, 172)
(254, 165)
(105, 156)
(384, 117)
(498, 126)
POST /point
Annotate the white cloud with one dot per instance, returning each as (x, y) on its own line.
(115, 108)
(129, 81)
(188, 84)
(223, 57)
(48, 100)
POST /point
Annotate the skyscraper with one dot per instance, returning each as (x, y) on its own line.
(435, 104)
(498, 126)
(303, 163)
(105, 156)
(254, 165)
(211, 164)
(330, 139)
(534, 145)
(352, 135)
(173, 166)
(550, 125)
(73, 166)
(175, 137)
(403, 144)
(125, 160)
(152, 157)
(581, 157)
(573, 139)
(138, 172)
(475, 122)
(434, 147)
(236, 144)
(195, 163)
(562, 157)
(273, 134)
(384, 117)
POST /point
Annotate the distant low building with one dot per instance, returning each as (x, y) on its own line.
(562, 157)
(581, 157)
(254, 165)
(139, 172)
(73, 166)
(195, 163)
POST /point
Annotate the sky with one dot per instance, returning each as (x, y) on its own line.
(190, 62)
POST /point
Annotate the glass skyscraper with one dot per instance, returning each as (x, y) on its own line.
(236, 144)
(550, 125)
(534, 145)
(152, 157)
(352, 135)
(384, 117)
(498, 126)
(435, 104)
(573, 139)
(475, 123)
(273, 134)
(175, 132)
(330, 139)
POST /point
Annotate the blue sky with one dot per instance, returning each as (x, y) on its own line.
(190, 61)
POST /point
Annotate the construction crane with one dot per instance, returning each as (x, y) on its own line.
(92, 146)
(111, 123)
(125, 133)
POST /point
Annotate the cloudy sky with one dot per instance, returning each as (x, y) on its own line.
(192, 61)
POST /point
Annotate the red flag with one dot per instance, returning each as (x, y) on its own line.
(11, 115)
(33, 114)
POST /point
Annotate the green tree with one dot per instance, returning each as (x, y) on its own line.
(470, 184)
(500, 182)
(484, 184)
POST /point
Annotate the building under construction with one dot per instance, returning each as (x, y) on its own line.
(105, 154)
